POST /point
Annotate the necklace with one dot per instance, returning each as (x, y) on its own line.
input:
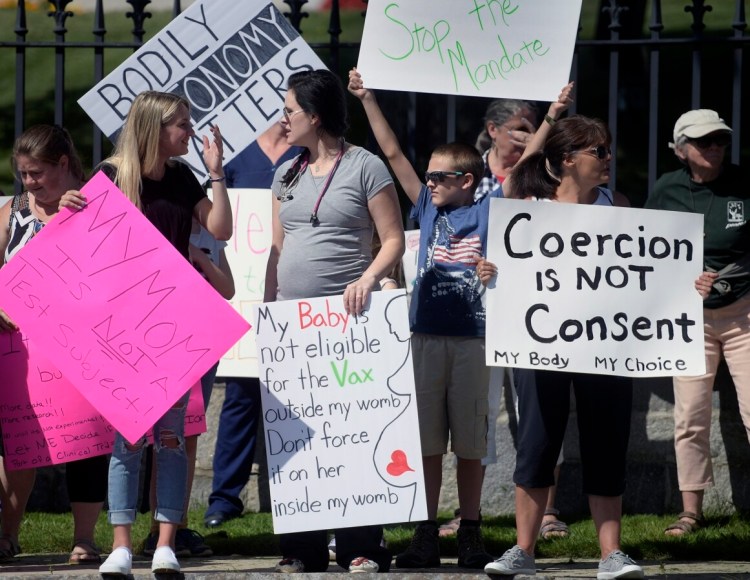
(320, 160)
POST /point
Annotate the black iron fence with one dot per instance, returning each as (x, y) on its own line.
(634, 70)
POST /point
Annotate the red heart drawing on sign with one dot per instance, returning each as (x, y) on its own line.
(399, 464)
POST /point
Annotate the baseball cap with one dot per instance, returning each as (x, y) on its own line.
(698, 123)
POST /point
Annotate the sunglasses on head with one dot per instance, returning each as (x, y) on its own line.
(601, 152)
(720, 139)
(439, 176)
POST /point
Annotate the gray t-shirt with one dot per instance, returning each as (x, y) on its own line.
(322, 260)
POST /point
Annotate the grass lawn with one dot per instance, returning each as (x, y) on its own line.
(724, 538)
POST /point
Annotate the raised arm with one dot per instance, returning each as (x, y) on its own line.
(386, 138)
(539, 138)
(216, 215)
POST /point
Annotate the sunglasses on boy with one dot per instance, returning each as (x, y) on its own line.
(439, 176)
(601, 152)
(720, 139)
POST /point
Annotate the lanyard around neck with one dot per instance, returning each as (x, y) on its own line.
(314, 214)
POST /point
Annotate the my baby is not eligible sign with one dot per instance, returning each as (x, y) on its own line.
(339, 411)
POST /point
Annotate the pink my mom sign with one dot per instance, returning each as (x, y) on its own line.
(123, 316)
(45, 420)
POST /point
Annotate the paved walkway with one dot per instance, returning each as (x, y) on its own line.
(235, 568)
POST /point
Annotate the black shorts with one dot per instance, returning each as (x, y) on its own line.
(603, 409)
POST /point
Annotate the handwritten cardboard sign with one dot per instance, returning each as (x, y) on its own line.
(519, 49)
(247, 254)
(340, 416)
(46, 421)
(117, 309)
(410, 259)
(595, 289)
(229, 59)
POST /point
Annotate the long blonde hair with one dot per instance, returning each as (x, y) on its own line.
(137, 150)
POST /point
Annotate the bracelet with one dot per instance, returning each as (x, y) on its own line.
(217, 180)
(549, 119)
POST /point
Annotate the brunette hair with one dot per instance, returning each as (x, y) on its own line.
(540, 173)
(47, 143)
(463, 158)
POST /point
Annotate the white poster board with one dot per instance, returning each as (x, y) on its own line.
(247, 253)
(520, 49)
(568, 274)
(409, 259)
(340, 413)
(229, 59)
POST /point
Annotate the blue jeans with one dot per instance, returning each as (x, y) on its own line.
(171, 471)
(235, 445)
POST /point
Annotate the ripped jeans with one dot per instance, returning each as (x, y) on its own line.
(171, 470)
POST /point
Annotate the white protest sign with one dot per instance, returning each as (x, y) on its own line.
(340, 413)
(247, 254)
(409, 260)
(595, 289)
(520, 49)
(229, 59)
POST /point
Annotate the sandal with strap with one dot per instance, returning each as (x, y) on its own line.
(450, 528)
(683, 528)
(553, 528)
(8, 548)
(85, 552)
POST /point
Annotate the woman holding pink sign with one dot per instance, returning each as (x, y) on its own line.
(47, 163)
(158, 129)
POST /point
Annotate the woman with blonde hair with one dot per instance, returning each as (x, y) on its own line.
(158, 129)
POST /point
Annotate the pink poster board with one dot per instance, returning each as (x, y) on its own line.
(46, 421)
(125, 318)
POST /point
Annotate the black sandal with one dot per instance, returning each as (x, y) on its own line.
(9, 548)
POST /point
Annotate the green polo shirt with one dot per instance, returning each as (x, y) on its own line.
(725, 205)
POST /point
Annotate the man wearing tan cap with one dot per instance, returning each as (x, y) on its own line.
(708, 185)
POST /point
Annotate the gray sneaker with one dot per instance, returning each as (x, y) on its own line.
(514, 561)
(618, 565)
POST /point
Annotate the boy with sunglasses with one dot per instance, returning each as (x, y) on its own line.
(447, 319)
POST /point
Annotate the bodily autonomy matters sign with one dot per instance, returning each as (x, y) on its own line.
(595, 289)
(487, 48)
(340, 415)
(122, 315)
(229, 59)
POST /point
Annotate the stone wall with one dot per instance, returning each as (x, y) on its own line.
(652, 476)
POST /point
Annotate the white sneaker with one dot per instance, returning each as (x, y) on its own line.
(118, 563)
(363, 564)
(618, 565)
(514, 561)
(332, 549)
(165, 562)
(290, 566)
